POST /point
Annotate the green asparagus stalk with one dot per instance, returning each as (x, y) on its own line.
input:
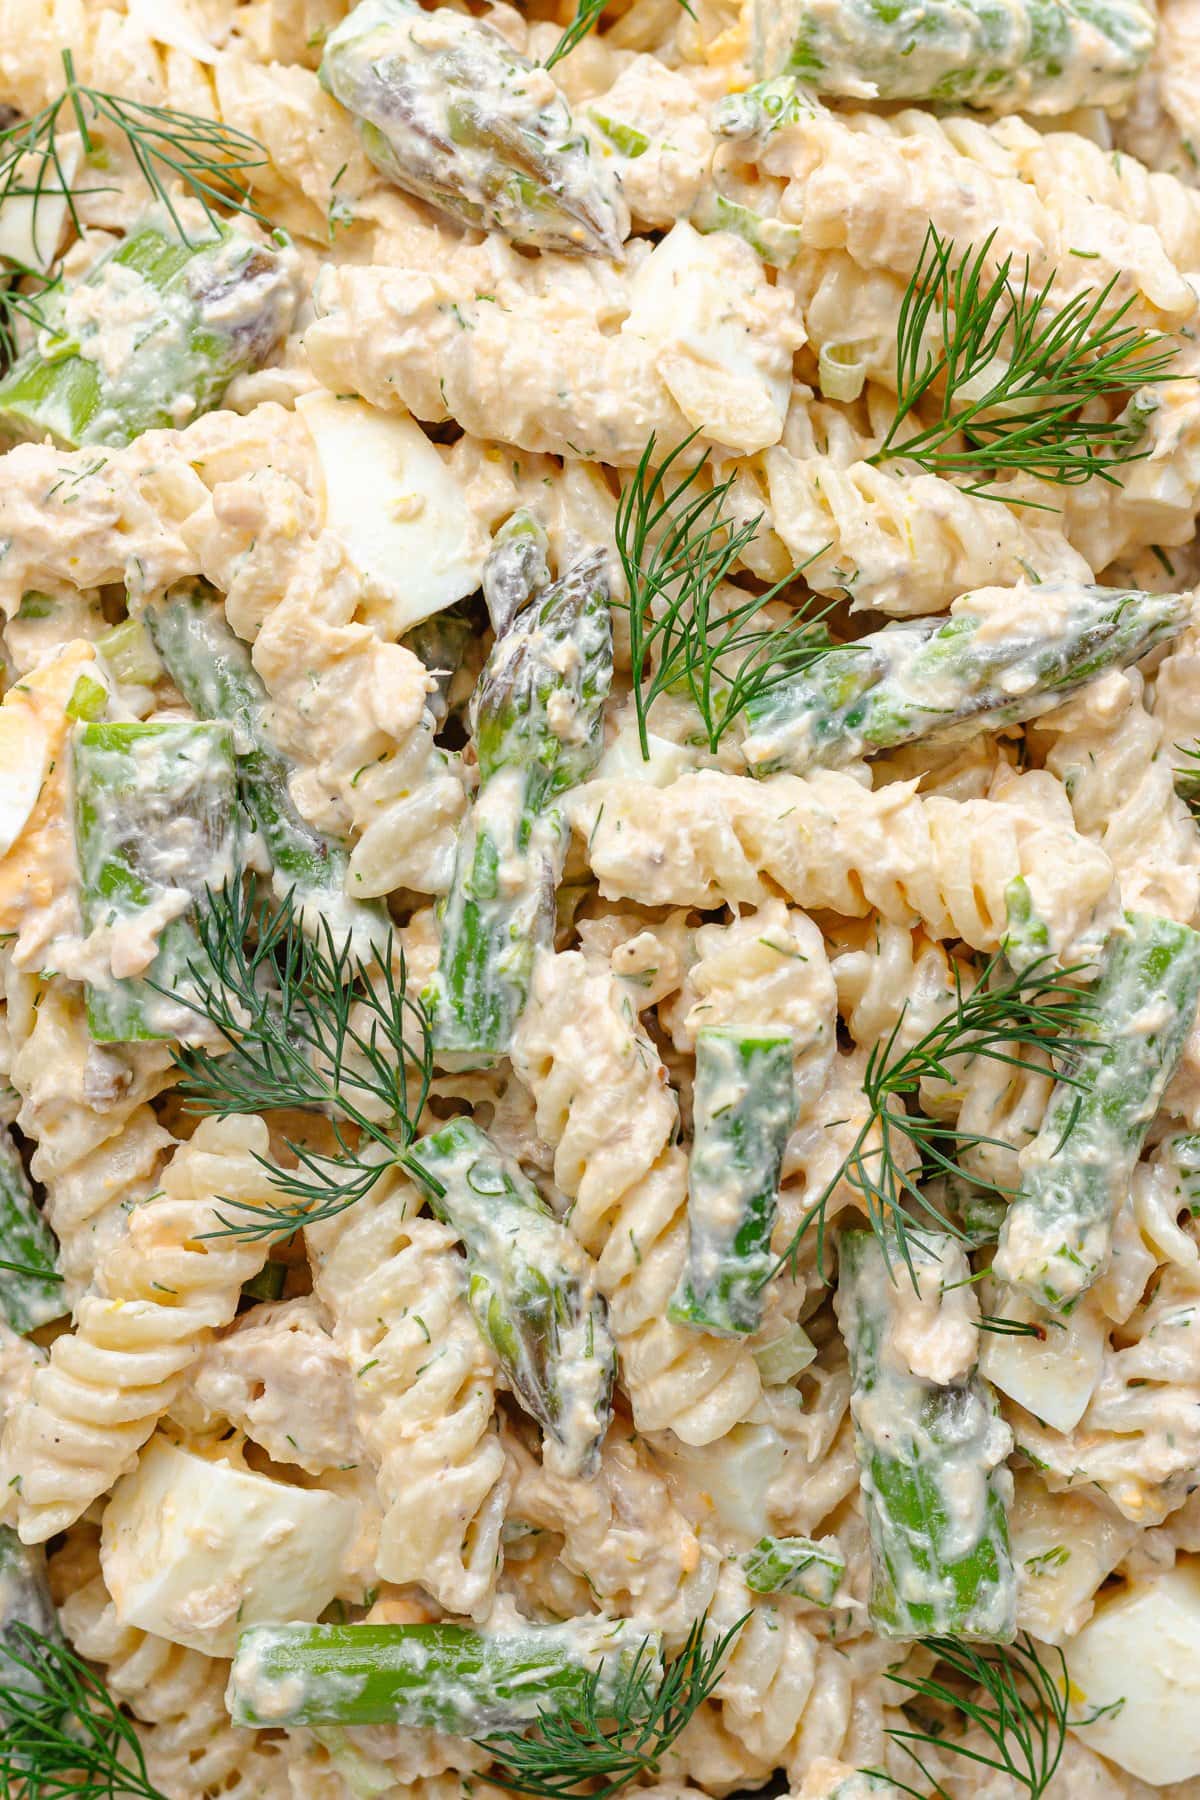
(151, 337)
(1037, 56)
(1057, 1234)
(932, 1456)
(532, 1288)
(25, 1606)
(537, 714)
(1002, 656)
(155, 827)
(810, 1567)
(440, 642)
(211, 667)
(450, 112)
(757, 113)
(516, 569)
(447, 1677)
(744, 1109)
(31, 1292)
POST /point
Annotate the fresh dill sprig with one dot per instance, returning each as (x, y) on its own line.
(1187, 777)
(613, 1740)
(1001, 1327)
(1022, 1713)
(62, 1732)
(18, 1268)
(587, 17)
(312, 1026)
(17, 303)
(1035, 1009)
(1011, 373)
(209, 158)
(677, 546)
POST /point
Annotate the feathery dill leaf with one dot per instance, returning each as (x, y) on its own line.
(1022, 1712)
(1035, 1009)
(1187, 777)
(1001, 1327)
(1011, 372)
(312, 1026)
(19, 303)
(615, 1740)
(677, 546)
(587, 17)
(209, 158)
(63, 1733)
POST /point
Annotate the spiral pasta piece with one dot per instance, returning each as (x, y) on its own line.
(604, 1105)
(425, 1392)
(1109, 753)
(159, 1292)
(827, 842)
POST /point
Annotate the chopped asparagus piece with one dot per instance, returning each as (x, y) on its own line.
(516, 569)
(203, 313)
(446, 1677)
(1039, 56)
(449, 111)
(532, 1288)
(129, 653)
(25, 1605)
(744, 1107)
(440, 642)
(31, 1292)
(211, 667)
(1003, 655)
(1057, 1235)
(810, 1567)
(932, 1456)
(155, 826)
(537, 714)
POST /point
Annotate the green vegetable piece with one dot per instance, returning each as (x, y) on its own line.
(1002, 656)
(25, 1606)
(757, 113)
(744, 1107)
(810, 1567)
(453, 114)
(532, 1288)
(626, 139)
(537, 713)
(932, 1457)
(445, 1677)
(211, 667)
(89, 699)
(785, 1356)
(516, 568)
(268, 1284)
(1035, 56)
(129, 653)
(777, 242)
(440, 642)
(1057, 1235)
(201, 313)
(31, 1292)
(155, 826)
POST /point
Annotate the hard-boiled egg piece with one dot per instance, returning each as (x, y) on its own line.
(24, 761)
(1052, 1377)
(397, 507)
(1139, 1656)
(193, 1549)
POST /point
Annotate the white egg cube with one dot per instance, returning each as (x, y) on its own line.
(1142, 1649)
(1055, 1377)
(24, 764)
(397, 507)
(193, 1550)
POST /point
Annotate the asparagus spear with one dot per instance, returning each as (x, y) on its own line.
(448, 110)
(447, 1677)
(151, 337)
(1057, 1234)
(532, 1288)
(1039, 56)
(744, 1109)
(810, 1567)
(1003, 655)
(155, 826)
(30, 1286)
(25, 1606)
(440, 642)
(932, 1456)
(211, 667)
(537, 713)
(516, 568)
